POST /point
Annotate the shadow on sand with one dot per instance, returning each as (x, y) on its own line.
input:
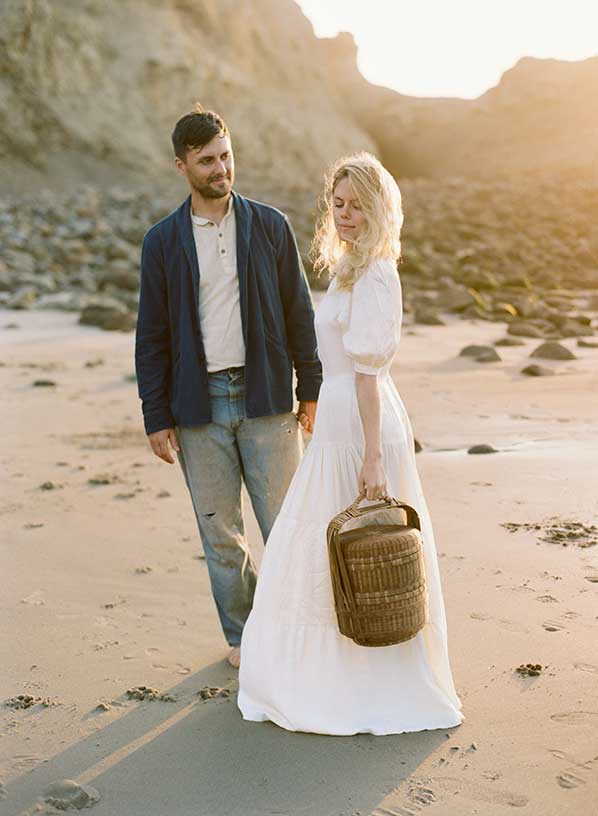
(200, 758)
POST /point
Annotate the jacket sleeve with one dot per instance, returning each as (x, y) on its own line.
(372, 333)
(299, 315)
(152, 339)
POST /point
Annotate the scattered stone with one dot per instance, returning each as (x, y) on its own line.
(509, 341)
(583, 343)
(428, 317)
(114, 604)
(455, 298)
(211, 692)
(32, 526)
(108, 314)
(482, 449)
(551, 350)
(142, 570)
(132, 378)
(482, 354)
(163, 494)
(102, 479)
(103, 707)
(50, 486)
(23, 298)
(529, 669)
(69, 795)
(11, 325)
(417, 446)
(524, 329)
(97, 361)
(125, 496)
(44, 384)
(535, 370)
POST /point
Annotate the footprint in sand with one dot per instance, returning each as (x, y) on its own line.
(576, 717)
(576, 775)
(553, 626)
(587, 667)
(409, 800)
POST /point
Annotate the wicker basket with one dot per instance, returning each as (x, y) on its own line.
(378, 576)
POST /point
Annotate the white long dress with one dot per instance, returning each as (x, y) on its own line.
(297, 670)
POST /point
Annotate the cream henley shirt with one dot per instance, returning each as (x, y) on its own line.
(219, 300)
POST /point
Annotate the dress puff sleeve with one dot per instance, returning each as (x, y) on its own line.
(373, 327)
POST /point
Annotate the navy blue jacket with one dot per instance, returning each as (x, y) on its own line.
(276, 311)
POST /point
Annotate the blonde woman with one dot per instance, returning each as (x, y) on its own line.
(297, 670)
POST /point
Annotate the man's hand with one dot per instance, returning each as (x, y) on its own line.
(159, 442)
(306, 414)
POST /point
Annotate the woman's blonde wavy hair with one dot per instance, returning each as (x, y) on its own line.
(380, 200)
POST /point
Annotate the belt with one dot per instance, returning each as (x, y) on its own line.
(231, 370)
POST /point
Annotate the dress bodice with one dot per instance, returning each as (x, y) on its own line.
(359, 330)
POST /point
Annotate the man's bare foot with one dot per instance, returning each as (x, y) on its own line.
(234, 657)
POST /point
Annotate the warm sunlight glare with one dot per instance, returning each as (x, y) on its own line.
(456, 48)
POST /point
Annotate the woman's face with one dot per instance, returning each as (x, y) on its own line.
(348, 215)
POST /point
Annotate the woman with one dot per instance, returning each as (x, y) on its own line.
(297, 670)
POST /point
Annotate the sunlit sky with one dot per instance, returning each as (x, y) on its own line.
(455, 47)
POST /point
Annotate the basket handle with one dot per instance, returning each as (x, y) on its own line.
(353, 511)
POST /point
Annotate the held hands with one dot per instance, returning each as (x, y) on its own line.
(159, 442)
(372, 478)
(306, 414)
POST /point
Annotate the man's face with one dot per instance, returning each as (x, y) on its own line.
(210, 170)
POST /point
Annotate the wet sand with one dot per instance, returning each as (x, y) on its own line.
(105, 591)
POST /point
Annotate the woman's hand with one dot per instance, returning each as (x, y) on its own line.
(372, 478)
(306, 414)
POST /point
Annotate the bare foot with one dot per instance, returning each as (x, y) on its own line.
(234, 657)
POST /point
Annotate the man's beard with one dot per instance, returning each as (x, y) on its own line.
(207, 191)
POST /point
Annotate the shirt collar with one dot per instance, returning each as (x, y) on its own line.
(199, 221)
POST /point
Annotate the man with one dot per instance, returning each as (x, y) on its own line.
(224, 314)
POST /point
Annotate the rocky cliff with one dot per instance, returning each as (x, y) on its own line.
(89, 91)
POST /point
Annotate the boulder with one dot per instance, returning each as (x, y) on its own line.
(551, 350)
(481, 354)
(108, 314)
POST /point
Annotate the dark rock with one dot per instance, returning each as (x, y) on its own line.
(552, 350)
(44, 384)
(428, 317)
(482, 449)
(110, 315)
(23, 298)
(455, 298)
(581, 343)
(524, 329)
(535, 370)
(482, 354)
(509, 341)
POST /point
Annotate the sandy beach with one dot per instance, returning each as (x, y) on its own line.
(105, 590)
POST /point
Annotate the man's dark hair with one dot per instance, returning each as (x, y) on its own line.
(195, 130)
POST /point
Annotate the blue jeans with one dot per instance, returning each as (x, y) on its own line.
(216, 457)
